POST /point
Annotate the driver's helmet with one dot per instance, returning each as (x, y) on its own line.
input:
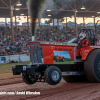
(82, 36)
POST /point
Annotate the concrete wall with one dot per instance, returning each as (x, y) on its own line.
(23, 58)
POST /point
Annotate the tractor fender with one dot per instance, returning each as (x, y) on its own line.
(86, 53)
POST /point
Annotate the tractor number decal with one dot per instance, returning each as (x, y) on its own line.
(62, 57)
(64, 49)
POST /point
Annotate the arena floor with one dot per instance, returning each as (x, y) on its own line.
(62, 91)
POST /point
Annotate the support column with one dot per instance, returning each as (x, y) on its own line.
(15, 22)
(66, 22)
(39, 22)
(58, 22)
(12, 28)
(53, 22)
(94, 25)
(5, 22)
(83, 21)
(75, 24)
(27, 22)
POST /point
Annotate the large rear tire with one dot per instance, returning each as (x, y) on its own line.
(52, 75)
(92, 66)
(63, 60)
(28, 80)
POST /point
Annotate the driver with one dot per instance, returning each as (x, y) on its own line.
(83, 41)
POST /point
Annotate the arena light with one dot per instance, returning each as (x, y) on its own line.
(98, 12)
(17, 9)
(48, 10)
(22, 14)
(18, 4)
(83, 8)
(49, 15)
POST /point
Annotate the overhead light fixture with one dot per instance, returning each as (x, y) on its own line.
(22, 14)
(98, 12)
(83, 7)
(76, 11)
(92, 16)
(48, 10)
(18, 4)
(49, 15)
(17, 9)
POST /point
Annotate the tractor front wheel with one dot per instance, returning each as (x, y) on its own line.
(28, 80)
(52, 75)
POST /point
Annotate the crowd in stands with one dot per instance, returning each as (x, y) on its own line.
(54, 35)
(21, 37)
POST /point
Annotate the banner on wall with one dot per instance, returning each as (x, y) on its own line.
(3, 60)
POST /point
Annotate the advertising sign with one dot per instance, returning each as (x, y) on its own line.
(3, 60)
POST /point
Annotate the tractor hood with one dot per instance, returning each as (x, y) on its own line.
(37, 43)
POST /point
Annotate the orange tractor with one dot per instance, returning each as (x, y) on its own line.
(44, 67)
(60, 58)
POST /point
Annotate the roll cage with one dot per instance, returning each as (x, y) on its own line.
(90, 35)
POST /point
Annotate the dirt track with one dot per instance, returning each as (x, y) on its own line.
(62, 91)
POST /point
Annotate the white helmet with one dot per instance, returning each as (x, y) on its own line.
(82, 36)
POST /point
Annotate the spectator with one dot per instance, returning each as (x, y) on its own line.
(22, 37)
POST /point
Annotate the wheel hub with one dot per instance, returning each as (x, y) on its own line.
(55, 75)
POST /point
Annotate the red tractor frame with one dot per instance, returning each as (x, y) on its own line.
(45, 68)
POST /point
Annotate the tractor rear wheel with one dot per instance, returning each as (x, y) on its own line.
(70, 79)
(63, 60)
(28, 80)
(92, 66)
